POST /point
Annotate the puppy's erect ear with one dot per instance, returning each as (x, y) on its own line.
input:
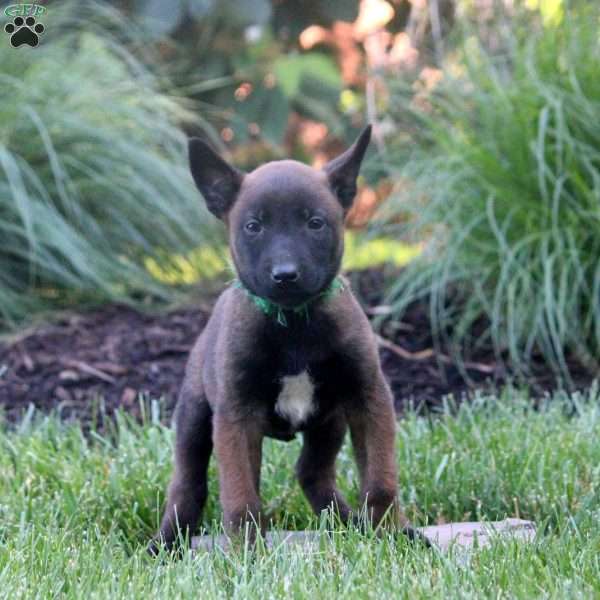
(216, 179)
(343, 170)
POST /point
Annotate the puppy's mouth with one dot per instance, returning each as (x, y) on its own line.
(289, 295)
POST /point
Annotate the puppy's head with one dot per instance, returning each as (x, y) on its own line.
(285, 219)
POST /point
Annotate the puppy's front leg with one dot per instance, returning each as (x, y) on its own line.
(238, 447)
(188, 489)
(372, 424)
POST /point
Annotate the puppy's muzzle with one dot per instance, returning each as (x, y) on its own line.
(285, 273)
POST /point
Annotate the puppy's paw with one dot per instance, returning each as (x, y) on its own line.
(414, 535)
(154, 547)
(174, 548)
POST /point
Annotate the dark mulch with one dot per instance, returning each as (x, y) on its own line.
(107, 357)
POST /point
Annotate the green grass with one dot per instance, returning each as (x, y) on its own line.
(94, 182)
(76, 511)
(502, 178)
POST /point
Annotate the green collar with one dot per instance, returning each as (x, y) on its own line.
(272, 309)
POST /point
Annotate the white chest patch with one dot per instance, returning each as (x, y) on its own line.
(295, 401)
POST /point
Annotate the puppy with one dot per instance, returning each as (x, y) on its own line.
(286, 350)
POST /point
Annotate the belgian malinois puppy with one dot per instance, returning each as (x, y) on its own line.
(286, 350)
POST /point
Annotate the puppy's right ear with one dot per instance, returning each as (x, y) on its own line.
(216, 179)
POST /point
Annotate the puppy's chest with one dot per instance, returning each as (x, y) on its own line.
(294, 381)
(295, 401)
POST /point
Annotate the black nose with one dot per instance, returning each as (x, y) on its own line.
(284, 273)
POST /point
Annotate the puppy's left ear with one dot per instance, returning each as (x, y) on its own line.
(342, 171)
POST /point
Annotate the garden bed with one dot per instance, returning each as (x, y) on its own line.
(104, 359)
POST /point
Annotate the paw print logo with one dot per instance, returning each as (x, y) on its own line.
(24, 31)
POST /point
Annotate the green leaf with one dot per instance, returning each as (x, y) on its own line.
(267, 107)
(292, 68)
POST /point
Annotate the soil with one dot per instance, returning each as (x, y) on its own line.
(87, 365)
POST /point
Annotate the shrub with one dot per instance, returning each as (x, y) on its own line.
(93, 173)
(503, 179)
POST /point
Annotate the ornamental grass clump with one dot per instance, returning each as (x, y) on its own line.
(94, 183)
(503, 181)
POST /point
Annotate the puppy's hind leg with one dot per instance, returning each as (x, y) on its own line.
(316, 466)
(188, 488)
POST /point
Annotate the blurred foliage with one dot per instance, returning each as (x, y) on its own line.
(93, 172)
(502, 177)
(363, 253)
(241, 62)
(280, 79)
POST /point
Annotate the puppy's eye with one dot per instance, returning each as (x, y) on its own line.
(253, 226)
(316, 223)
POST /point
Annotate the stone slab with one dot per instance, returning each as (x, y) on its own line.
(464, 535)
